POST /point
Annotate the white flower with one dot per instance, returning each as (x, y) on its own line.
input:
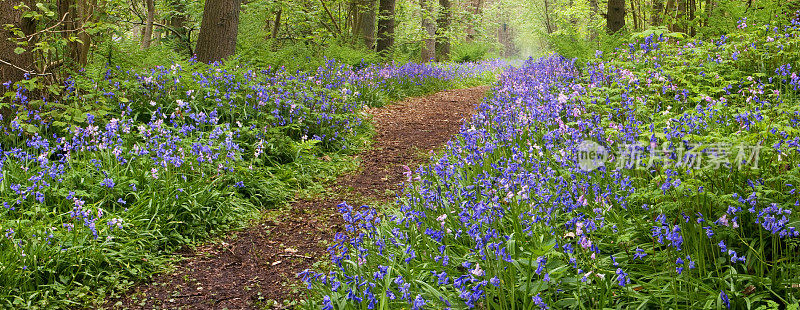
(478, 272)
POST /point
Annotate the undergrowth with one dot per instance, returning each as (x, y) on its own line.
(104, 176)
(662, 174)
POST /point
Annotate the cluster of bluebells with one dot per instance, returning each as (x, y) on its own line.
(164, 129)
(506, 210)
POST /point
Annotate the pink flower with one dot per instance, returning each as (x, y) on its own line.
(478, 272)
(723, 220)
(407, 173)
(582, 200)
(562, 99)
(585, 242)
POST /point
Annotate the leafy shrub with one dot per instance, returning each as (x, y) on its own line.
(470, 52)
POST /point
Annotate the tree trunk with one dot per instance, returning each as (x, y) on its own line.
(367, 23)
(692, 7)
(76, 15)
(548, 24)
(633, 16)
(218, 30)
(658, 10)
(680, 16)
(428, 31)
(443, 39)
(669, 14)
(277, 26)
(506, 38)
(592, 18)
(385, 25)
(615, 18)
(177, 21)
(14, 66)
(708, 10)
(354, 16)
(475, 7)
(147, 36)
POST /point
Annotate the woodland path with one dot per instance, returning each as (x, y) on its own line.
(260, 263)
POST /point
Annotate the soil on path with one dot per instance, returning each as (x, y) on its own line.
(256, 268)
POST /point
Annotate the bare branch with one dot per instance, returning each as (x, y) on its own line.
(23, 70)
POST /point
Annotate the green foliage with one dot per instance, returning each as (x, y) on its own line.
(727, 13)
(504, 214)
(127, 54)
(304, 57)
(470, 52)
(131, 165)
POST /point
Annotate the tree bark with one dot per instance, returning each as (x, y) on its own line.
(548, 24)
(218, 30)
(177, 21)
(615, 18)
(385, 26)
(367, 23)
(354, 18)
(633, 16)
(506, 37)
(72, 27)
(692, 7)
(708, 11)
(669, 14)
(428, 30)
(277, 26)
(147, 36)
(14, 66)
(86, 11)
(680, 16)
(475, 7)
(658, 10)
(443, 39)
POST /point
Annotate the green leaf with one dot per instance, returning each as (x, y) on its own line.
(31, 128)
(19, 50)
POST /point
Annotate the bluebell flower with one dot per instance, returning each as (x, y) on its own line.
(725, 300)
(419, 303)
(326, 303)
(537, 300)
(107, 182)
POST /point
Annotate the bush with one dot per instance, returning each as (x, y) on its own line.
(470, 52)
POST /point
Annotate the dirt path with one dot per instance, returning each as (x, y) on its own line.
(257, 267)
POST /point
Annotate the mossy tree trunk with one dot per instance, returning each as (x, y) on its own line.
(443, 25)
(615, 18)
(385, 26)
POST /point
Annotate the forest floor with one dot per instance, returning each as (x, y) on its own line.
(257, 267)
